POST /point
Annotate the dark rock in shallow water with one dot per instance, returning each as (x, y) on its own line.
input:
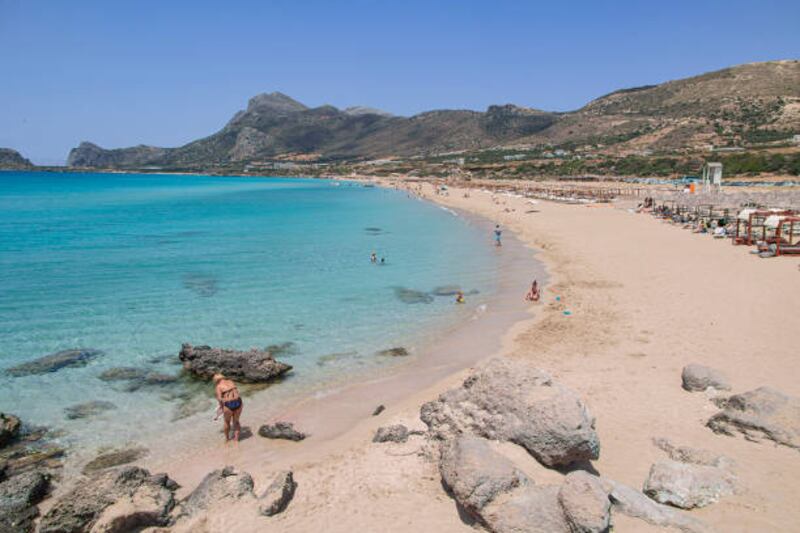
(446, 290)
(9, 428)
(114, 458)
(201, 284)
(282, 349)
(253, 366)
(18, 498)
(378, 410)
(119, 500)
(87, 409)
(281, 430)
(54, 362)
(123, 373)
(397, 351)
(411, 296)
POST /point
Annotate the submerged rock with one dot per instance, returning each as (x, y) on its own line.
(201, 284)
(282, 349)
(411, 296)
(446, 290)
(119, 500)
(77, 357)
(396, 433)
(697, 378)
(397, 351)
(18, 498)
(281, 430)
(9, 428)
(114, 458)
(688, 485)
(247, 367)
(761, 413)
(378, 410)
(278, 494)
(123, 373)
(510, 401)
(87, 409)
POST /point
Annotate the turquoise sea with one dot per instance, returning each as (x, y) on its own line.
(133, 265)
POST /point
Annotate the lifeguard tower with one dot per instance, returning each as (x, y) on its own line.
(712, 176)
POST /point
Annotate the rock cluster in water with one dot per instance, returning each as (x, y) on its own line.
(253, 366)
(72, 358)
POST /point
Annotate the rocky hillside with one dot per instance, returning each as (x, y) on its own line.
(11, 159)
(727, 107)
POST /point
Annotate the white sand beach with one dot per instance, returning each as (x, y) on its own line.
(645, 298)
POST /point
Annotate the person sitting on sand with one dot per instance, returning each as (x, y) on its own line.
(533, 294)
(230, 403)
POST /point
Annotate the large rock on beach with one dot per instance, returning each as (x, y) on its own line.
(636, 504)
(761, 413)
(9, 428)
(510, 401)
(687, 485)
(281, 430)
(254, 366)
(18, 498)
(76, 357)
(531, 509)
(220, 487)
(278, 494)
(120, 500)
(475, 474)
(697, 378)
(585, 503)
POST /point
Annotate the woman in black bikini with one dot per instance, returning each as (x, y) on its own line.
(230, 402)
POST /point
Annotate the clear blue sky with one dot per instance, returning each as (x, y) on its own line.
(124, 72)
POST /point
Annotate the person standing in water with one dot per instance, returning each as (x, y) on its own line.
(498, 233)
(230, 402)
(373, 257)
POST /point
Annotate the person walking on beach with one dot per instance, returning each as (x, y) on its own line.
(230, 403)
(533, 294)
(498, 233)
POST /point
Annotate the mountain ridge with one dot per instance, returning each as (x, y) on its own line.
(715, 107)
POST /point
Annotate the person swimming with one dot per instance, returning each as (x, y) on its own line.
(460, 298)
(230, 403)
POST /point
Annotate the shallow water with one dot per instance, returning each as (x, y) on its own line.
(134, 265)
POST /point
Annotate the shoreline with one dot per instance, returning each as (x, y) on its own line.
(331, 412)
(645, 299)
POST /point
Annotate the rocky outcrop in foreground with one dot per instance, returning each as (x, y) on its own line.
(9, 428)
(281, 430)
(490, 488)
(761, 413)
(18, 498)
(254, 366)
(509, 401)
(121, 500)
